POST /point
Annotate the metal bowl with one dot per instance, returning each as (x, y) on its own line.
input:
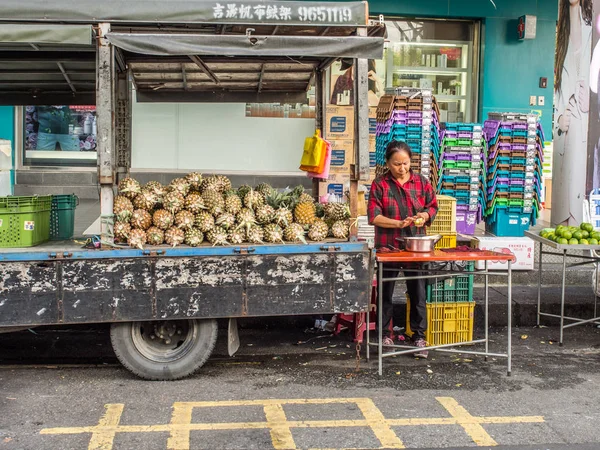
(420, 244)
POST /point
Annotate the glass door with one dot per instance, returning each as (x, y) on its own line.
(436, 54)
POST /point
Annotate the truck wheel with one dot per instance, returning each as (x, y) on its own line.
(164, 350)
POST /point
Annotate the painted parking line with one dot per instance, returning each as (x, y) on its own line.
(180, 426)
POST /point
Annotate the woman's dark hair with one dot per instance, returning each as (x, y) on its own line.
(396, 147)
(564, 31)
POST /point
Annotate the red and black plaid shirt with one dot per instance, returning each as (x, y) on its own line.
(417, 196)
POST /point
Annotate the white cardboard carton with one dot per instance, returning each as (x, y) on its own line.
(521, 247)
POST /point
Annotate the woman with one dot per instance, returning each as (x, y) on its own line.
(345, 83)
(572, 97)
(402, 203)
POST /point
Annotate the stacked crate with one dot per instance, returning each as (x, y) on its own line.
(515, 172)
(462, 172)
(409, 115)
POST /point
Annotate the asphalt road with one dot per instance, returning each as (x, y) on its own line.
(62, 390)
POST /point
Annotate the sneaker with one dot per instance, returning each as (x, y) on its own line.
(421, 344)
(388, 342)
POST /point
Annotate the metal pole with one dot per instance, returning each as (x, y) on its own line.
(539, 300)
(487, 338)
(320, 116)
(105, 107)
(562, 297)
(509, 351)
(380, 318)
(368, 319)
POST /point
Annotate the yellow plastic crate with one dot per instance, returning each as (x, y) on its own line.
(447, 322)
(445, 220)
(448, 240)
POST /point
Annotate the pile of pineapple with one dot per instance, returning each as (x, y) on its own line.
(194, 209)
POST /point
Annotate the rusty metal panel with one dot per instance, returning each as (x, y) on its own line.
(104, 291)
(352, 285)
(289, 284)
(199, 287)
(28, 294)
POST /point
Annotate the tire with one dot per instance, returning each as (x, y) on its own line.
(164, 350)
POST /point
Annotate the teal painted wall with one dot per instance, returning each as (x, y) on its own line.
(503, 54)
(7, 131)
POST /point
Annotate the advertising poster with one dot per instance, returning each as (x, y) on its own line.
(594, 119)
(572, 109)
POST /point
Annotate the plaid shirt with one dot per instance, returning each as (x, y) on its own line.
(416, 194)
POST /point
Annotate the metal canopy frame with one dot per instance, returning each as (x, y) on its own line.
(67, 74)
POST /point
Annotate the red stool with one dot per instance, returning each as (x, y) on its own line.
(357, 321)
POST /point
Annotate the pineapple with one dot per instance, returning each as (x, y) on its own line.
(141, 219)
(214, 202)
(173, 201)
(340, 229)
(223, 183)
(210, 183)
(155, 236)
(294, 233)
(233, 203)
(174, 236)
(265, 214)
(137, 238)
(319, 210)
(157, 188)
(246, 219)
(253, 199)
(236, 237)
(273, 233)
(162, 219)
(264, 189)
(121, 231)
(193, 237)
(283, 217)
(337, 211)
(318, 231)
(225, 220)
(194, 179)
(305, 197)
(184, 220)
(122, 209)
(129, 187)
(255, 234)
(194, 203)
(181, 185)
(147, 199)
(305, 213)
(217, 236)
(243, 190)
(204, 221)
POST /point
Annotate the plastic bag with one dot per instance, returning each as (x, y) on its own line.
(314, 154)
(323, 171)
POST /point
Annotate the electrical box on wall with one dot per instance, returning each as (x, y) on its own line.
(527, 27)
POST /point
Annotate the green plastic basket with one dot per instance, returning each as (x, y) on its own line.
(456, 289)
(24, 221)
(62, 217)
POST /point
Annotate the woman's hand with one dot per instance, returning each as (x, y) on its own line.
(406, 222)
(421, 219)
(564, 121)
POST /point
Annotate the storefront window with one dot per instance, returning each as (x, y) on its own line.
(60, 135)
(439, 55)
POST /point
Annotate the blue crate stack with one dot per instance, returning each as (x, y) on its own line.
(515, 173)
(462, 172)
(409, 115)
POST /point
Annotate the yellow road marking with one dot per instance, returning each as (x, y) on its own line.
(281, 435)
(280, 428)
(103, 438)
(470, 424)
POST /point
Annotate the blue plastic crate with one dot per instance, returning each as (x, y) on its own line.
(508, 222)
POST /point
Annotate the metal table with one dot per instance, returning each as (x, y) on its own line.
(563, 250)
(384, 258)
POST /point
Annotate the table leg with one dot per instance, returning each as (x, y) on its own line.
(380, 318)
(487, 338)
(539, 300)
(562, 298)
(509, 350)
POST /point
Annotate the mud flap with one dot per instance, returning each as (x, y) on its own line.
(233, 338)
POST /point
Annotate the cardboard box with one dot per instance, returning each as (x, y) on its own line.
(336, 184)
(521, 247)
(548, 193)
(342, 155)
(339, 122)
(372, 121)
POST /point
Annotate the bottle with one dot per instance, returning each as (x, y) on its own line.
(87, 126)
(94, 127)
